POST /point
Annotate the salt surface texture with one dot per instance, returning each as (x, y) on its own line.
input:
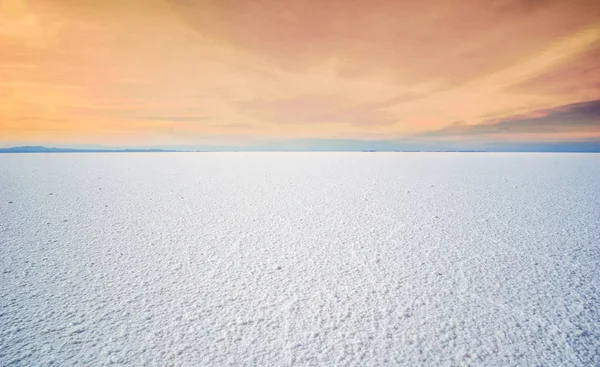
(300, 259)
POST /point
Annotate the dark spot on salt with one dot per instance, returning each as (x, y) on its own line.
(65, 220)
(50, 194)
(10, 202)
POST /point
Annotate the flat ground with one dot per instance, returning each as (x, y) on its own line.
(300, 258)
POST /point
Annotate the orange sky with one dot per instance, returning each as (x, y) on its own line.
(185, 72)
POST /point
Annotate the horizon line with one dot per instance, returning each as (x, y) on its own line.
(590, 147)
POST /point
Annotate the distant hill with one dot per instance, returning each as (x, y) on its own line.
(40, 149)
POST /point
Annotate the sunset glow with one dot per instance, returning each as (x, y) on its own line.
(189, 73)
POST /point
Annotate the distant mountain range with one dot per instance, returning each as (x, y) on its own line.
(40, 149)
(577, 147)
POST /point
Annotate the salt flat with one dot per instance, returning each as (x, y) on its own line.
(300, 259)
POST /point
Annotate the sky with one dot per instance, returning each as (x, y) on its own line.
(256, 74)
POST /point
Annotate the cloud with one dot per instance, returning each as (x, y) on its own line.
(178, 70)
(582, 119)
(321, 109)
(580, 76)
(172, 118)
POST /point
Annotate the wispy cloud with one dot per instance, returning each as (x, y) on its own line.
(173, 71)
(578, 119)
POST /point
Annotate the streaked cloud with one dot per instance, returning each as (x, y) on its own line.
(178, 72)
(577, 121)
